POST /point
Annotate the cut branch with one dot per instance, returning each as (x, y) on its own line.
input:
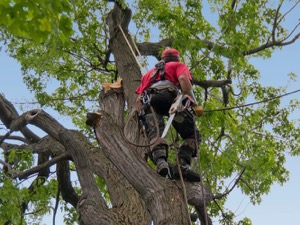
(8, 114)
(211, 83)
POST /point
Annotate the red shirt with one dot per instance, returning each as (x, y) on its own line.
(172, 71)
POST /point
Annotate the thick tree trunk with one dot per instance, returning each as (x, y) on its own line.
(164, 199)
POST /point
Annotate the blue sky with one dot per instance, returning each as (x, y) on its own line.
(281, 206)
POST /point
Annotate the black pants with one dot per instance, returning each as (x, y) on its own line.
(183, 122)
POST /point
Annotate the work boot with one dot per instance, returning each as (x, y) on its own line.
(187, 173)
(162, 167)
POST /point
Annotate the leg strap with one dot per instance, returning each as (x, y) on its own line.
(158, 141)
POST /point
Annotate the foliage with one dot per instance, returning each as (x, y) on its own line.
(13, 196)
(66, 74)
(36, 20)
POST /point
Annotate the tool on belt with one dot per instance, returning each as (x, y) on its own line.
(182, 102)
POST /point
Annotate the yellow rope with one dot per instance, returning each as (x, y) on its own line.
(130, 47)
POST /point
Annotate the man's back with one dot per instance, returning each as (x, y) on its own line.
(171, 72)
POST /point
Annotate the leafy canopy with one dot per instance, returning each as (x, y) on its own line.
(36, 20)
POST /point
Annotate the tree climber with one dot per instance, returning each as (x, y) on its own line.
(158, 89)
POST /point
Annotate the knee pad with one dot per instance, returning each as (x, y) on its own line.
(159, 152)
(188, 150)
(159, 149)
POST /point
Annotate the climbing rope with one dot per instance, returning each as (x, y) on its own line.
(201, 177)
(181, 177)
(144, 132)
(129, 45)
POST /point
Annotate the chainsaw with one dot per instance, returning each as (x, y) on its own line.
(182, 102)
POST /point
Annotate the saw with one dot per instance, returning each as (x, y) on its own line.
(176, 107)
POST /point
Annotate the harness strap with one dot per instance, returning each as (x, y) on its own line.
(163, 84)
(160, 66)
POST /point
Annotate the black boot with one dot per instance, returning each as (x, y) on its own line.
(187, 173)
(185, 154)
(162, 167)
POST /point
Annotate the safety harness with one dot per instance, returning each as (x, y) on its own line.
(160, 66)
(157, 86)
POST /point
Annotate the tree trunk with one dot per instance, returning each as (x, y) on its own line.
(162, 198)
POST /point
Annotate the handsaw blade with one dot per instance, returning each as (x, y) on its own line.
(169, 122)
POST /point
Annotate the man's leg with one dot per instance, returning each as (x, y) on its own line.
(159, 155)
(185, 125)
(159, 146)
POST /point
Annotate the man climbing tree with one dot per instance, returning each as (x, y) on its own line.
(111, 181)
(158, 89)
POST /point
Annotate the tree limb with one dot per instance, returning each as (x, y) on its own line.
(211, 83)
(47, 164)
(231, 189)
(64, 183)
(154, 49)
(8, 114)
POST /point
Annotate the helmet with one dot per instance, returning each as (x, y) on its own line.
(170, 52)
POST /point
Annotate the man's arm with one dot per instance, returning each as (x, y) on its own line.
(187, 88)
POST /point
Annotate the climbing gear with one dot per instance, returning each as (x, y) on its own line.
(160, 91)
(159, 142)
(160, 66)
(184, 158)
(163, 84)
(181, 103)
(190, 145)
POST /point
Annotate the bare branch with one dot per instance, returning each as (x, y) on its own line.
(64, 181)
(7, 166)
(233, 4)
(8, 114)
(14, 137)
(36, 169)
(291, 9)
(275, 24)
(293, 40)
(235, 183)
(5, 137)
(211, 83)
